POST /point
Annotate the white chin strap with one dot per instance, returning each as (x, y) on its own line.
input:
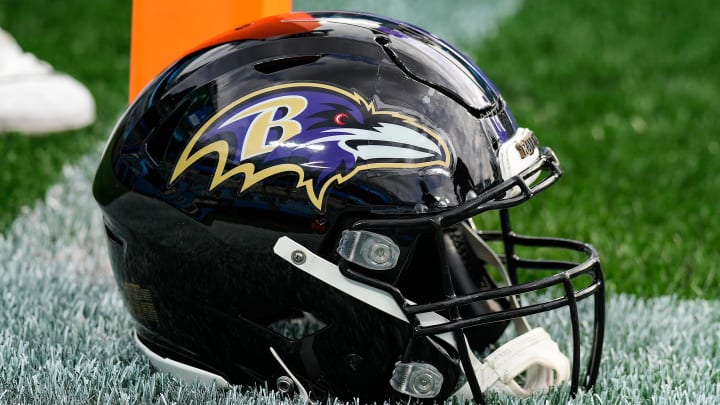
(533, 352)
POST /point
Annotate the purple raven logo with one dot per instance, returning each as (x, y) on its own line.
(324, 134)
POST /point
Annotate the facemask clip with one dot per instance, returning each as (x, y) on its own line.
(418, 380)
(369, 249)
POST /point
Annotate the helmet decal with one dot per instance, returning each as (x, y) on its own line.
(322, 133)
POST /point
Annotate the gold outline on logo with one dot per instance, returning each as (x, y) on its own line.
(252, 177)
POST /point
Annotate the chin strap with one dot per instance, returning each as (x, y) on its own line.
(533, 353)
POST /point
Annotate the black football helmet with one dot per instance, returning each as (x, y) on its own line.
(295, 203)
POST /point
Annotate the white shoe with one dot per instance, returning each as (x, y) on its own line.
(35, 99)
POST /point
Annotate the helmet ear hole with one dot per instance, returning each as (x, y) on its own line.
(297, 325)
(469, 276)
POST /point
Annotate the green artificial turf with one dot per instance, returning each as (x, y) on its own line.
(89, 40)
(66, 335)
(625, 93)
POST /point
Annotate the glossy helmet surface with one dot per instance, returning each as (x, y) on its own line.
(292, 203)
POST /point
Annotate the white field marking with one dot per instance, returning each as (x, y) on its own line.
(63, 233)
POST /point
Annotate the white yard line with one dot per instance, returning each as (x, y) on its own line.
(61, 234)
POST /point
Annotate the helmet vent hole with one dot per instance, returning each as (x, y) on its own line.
(297, 327)
(277, 65)
(382, 40)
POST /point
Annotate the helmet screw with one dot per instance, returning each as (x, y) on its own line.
(298, 257)
(285, 384)
(380, 253)
(423, 383)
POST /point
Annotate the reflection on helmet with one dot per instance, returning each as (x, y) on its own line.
(294, 203)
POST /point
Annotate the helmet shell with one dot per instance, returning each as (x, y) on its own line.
(219, 156)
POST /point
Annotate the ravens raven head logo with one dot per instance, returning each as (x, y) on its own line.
(324, 134)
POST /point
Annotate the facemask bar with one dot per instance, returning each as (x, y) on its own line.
(498, 198)
(591, 266)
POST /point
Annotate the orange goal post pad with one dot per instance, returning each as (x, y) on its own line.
(165, 30)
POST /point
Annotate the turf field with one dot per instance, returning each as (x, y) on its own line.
(623, 91)
(90, 40)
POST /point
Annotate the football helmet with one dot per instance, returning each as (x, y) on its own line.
(301, 202)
